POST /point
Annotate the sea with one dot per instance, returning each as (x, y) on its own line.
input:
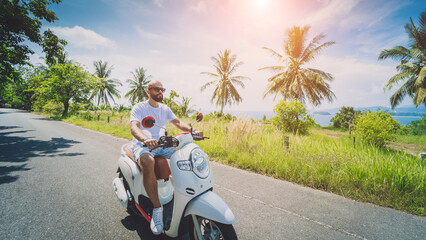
(323, 120)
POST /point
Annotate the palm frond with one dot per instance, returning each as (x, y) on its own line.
(421, 78)
(273, 68)
(273, 53)
(312, 54)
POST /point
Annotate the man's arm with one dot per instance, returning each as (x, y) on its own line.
(181, 125)
(135, 129)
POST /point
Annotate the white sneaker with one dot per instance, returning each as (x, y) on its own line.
(157, 220)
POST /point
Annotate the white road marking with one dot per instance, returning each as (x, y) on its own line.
(293, 213)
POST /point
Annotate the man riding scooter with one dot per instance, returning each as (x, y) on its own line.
(149, 137)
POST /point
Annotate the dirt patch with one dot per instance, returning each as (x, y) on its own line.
(411, 149)
(333, 135)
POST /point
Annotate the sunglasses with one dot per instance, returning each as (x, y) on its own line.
(157, 89)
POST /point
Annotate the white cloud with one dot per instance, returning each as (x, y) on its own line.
(332, 9)
(356, 83)
(148, 35)
(82, 37)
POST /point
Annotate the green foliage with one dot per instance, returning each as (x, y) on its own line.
(104, 87)
(54, 48)
(217, 115)
(20, 21)
(345, 117)
(225, 92)
(172, 103)
(138, 86)
(184, 108)
(293, 81)
(376, 128)
(291, 116)
(121, 108)
(417, 127)
(53, 108)
(65, 83)
(412, 67)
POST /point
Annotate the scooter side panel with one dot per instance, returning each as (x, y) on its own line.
(209, 205)
(132, 175)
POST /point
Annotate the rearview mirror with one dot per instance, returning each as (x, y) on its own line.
(199, 117)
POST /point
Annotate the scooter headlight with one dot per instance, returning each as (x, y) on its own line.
(200, 163)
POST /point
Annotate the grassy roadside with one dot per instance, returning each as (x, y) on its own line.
(325, 159)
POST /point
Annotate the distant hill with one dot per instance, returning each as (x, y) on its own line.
(398, 111)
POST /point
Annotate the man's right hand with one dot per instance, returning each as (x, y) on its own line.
(150, 143)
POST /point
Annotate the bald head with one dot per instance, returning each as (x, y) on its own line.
(155, 91)
(155, 83)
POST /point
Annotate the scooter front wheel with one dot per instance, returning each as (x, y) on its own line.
(210, 230)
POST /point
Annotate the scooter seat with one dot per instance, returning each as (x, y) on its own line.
(161, 167)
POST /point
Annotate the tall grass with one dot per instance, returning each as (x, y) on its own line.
(366, 173)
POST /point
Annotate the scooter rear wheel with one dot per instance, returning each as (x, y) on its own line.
(213, 230)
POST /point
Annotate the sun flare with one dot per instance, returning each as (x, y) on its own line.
(260, 3)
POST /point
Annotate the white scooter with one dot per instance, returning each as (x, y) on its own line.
(185, 189)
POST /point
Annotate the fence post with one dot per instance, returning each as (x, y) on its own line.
(99, 116)
(286, 142)
(354, 142)
(108, 119)
(350, 128)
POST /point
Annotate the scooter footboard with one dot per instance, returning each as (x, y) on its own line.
(209, 205)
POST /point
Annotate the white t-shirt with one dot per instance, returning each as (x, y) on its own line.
(162, 114)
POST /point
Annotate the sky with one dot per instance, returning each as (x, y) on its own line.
(174, 41)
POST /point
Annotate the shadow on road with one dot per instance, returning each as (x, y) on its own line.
(19, 149)
(141, 226)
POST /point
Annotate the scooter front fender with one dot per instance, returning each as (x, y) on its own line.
(209, 205)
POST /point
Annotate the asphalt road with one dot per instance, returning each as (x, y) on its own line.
(55, 183)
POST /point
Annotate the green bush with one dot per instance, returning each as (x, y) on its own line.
(53, 108)
(415, 128)
(291, 116)
(376, 128)
(217, 115)
(344, 117)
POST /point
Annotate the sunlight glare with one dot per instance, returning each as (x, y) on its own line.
(260, 3)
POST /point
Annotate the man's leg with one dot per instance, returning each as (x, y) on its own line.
(146, 163)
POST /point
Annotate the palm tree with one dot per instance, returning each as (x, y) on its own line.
(292, 80)
(185, 107)
(412, 69)
(138, 85)
(104, 86)
(225, 91)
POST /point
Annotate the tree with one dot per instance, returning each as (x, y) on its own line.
(54, 48)
(104, 86)
(375, 128)
(225, 91)
(171, 103)
(412, 69)
(65, 83)
(344, 117)
(291, 116)
(138, 86)
(294, 82)
(20, 21)
(185, 108)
